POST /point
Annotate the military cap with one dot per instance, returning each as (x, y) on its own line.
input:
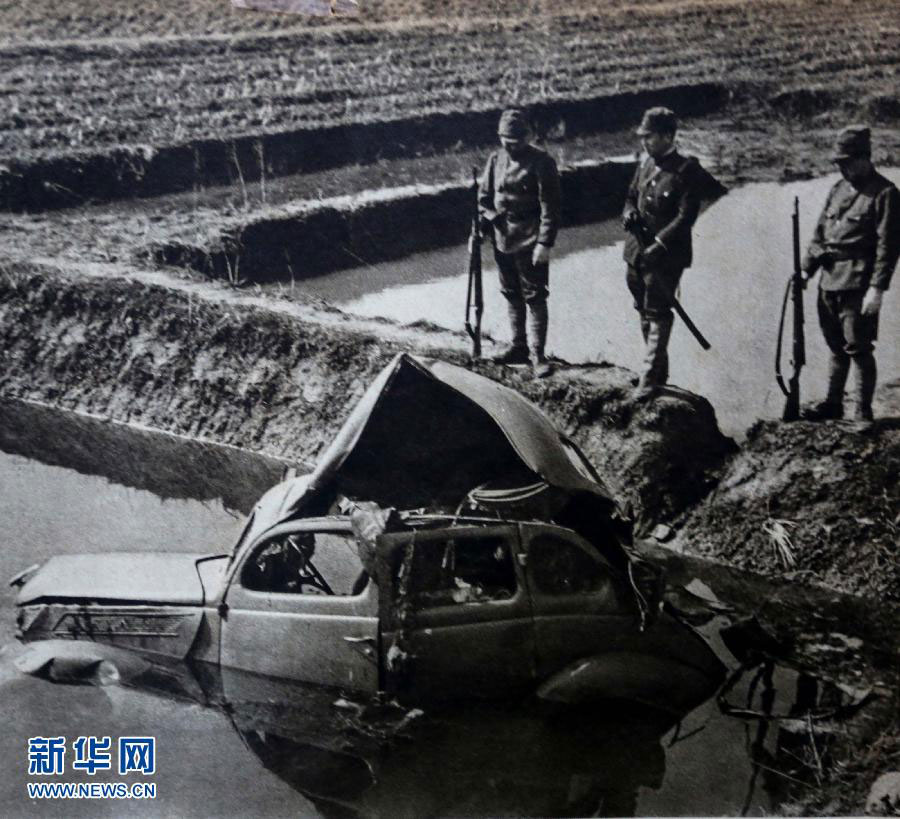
(658, 120)
(513, 124)
(852, 142)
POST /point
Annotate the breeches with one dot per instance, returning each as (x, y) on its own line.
(520, 279)
(847, 331)
(653, 287)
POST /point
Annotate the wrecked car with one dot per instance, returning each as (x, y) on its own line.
(450, 544)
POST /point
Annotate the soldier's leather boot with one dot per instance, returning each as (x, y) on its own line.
(865, 374)
(655, 371)
(832, 407)
(517, 352)
(537, 339)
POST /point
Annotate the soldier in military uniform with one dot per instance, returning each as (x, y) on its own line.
(661, 205)
(519, 196)
(855, 244)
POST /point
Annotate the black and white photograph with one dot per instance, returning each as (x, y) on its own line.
(418, 408)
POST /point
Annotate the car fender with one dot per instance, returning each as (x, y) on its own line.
(660, 682)
(79, 661)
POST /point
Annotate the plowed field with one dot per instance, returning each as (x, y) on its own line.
(143, 83)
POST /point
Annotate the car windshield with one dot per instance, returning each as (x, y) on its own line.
(306, 563)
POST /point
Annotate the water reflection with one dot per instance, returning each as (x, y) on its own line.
(733, 292)
(481, 762)
(251, 746)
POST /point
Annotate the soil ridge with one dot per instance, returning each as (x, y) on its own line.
(282, 382)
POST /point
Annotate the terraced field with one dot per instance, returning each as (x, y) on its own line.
(72, 96)
(88, 19)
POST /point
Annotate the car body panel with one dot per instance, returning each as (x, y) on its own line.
(331, 604)
(456, 636)
(449, 612)
(146, 577)
(661, 682)
(423, 402)
(327, 640)
(166, 631)
(576, 597)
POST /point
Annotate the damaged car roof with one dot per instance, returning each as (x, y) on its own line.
(427, 431)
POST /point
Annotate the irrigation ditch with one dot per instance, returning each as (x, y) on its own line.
(74, 179)
(166, 464)
(279, 381)
(307, 239)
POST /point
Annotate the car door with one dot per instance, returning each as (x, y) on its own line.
(575, 594)
(301, 608)
(458, 621)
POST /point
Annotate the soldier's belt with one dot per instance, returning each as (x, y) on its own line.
(849, 256)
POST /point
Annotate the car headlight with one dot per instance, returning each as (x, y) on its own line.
(27, 617)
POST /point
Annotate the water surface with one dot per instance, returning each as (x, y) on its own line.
(211, 763)
(743, 258)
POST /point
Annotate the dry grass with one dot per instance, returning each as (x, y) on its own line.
(778, 532)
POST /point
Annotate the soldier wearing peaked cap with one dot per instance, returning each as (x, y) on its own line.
(663, 201)
(519, 196)
(855, 245)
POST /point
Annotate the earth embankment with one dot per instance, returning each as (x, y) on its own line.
(811, 502)
(281, 378)
(308, 239)
(169, 466)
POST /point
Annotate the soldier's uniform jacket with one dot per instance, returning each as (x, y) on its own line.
(666, 193)
(521, 197)
(857, 239)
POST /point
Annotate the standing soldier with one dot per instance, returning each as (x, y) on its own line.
(663, 202)
(855, 244)
(519, 196)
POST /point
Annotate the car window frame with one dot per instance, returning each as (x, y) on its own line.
(390, 544)
(571, 538)
(321, 525)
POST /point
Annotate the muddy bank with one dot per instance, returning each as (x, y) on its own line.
(129, 171)
(811, 503)
(281, 381)
(308, 239)
(169, 466)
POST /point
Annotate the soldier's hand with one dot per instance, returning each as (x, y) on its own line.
(871, 302)
(629, 219)
(540, 255)
(652, 250)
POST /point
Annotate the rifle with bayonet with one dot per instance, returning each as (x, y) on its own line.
(637, 227)
(475, 292)
(794, 291)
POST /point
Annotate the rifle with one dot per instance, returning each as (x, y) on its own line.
(794, 289)
(638, 228)
(474, 291)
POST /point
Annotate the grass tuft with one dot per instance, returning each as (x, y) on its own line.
(778, 532)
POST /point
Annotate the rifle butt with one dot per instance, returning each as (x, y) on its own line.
(792, 404)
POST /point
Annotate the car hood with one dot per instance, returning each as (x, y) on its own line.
(172, 579)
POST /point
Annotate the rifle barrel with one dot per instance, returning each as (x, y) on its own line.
(474, 290)
(792, 402)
